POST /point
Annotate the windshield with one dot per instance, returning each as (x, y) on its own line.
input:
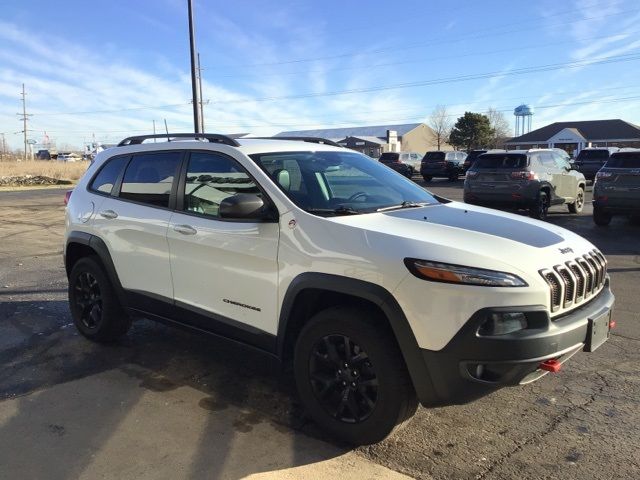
(433, 157)
(333, 183)
(494, 160)
(593, 156)
(624, 160)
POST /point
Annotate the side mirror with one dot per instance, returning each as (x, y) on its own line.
(243, 206)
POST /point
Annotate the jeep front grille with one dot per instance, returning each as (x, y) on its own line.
(576, 281)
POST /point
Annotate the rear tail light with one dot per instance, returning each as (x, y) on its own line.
(524, 175)
(604, 175)
(67, 197)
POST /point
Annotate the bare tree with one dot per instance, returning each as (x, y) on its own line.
(500, 126)
(441, 124)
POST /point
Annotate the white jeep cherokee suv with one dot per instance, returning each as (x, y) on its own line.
(378, 293)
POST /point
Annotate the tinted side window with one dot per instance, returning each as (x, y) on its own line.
(210, 179)
(106, 178)
(149, 177)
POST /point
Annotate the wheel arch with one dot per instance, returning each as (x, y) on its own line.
(311, 292)
(82, 244)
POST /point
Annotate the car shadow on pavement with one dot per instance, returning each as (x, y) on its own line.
(161, 403)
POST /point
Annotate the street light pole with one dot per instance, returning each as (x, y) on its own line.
(197, 122)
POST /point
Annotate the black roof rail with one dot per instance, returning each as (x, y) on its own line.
(320, 140)
(212, 137)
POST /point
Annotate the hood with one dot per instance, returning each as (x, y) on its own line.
(469, 235)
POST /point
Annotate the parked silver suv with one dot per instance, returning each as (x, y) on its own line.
(616, 190)
(530, 180)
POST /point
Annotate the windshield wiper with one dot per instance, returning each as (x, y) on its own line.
(405, 204)
(341, 210)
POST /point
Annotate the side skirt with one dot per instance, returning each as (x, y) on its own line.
(155, 307)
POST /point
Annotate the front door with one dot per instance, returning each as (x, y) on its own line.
(224, 270)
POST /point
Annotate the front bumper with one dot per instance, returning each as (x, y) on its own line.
(510, 359)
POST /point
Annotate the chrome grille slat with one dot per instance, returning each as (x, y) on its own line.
(575, 281)
(581, 278)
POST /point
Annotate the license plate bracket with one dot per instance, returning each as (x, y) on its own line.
(597, 331)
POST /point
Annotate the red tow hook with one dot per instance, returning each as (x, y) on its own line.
(552, 365)
(612, 324)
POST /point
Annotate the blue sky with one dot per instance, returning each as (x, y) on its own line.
(110, 68)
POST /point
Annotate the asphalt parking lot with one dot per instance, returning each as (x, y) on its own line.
(164, 403)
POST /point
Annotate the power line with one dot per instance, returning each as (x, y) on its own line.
(252, 73)
(458, 38)
(438, 81)
(446, 80)
(391, 121)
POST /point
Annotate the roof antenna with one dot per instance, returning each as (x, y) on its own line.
(166, 129)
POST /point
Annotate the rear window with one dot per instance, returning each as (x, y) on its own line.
(624, 160)
(593, 156)
(493, 160)
(434, 157)
(389, 157)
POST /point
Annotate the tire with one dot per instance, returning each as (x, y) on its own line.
(427, 178)
(576, 207)
(454, 177)
(601, 218)
(540, 209)
(96, 311)
(362, 402)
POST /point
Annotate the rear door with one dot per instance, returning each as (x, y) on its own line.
(568, 185)
(133, 223)
(551, 173)
(224, 269)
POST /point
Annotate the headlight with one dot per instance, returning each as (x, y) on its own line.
(448, 273)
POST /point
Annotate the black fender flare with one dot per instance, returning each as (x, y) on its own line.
(102, 251)
(377, 295)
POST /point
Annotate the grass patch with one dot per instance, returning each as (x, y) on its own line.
(44, 168)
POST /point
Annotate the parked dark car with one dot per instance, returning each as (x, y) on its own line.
(443, 165)
(590, 160)
(529, 180)
(392, 160)
(43, 155)
(616, 190)
(472, 157)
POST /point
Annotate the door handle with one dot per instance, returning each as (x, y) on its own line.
(109, 214)
(185, 229)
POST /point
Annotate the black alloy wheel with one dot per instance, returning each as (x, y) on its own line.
(95, 308)
(541, 207)
(343, 379)
(351, 376)
(89, 300)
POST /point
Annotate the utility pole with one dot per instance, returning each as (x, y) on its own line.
(154, 130)
(24, 119)
(194, 84)
(4, 146)
(200, 92)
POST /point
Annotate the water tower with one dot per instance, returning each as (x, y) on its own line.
(524, 116)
